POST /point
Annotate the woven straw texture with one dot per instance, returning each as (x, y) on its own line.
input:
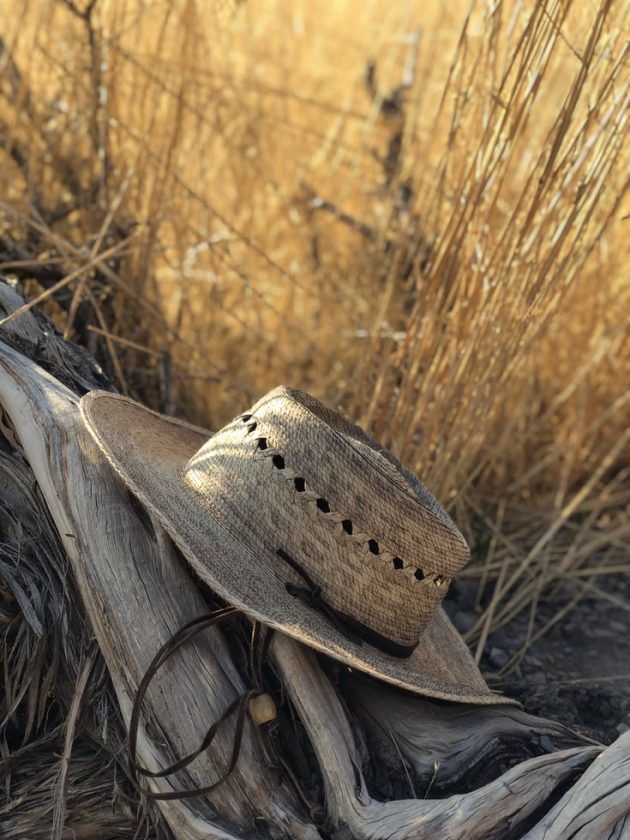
(292, 475)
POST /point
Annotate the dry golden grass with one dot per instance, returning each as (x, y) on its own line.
(438, 246)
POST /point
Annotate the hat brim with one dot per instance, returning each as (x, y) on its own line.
(150, 452)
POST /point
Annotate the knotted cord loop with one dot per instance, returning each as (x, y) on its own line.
(353, 630)
(260, 639)
(311, 596)
(238, 706)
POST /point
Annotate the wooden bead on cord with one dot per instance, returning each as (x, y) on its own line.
(262, 709)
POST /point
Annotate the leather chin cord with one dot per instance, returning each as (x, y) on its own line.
(309, 594)
(268, 731)
(238, 706)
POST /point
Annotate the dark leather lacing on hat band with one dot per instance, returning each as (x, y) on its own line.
(355, 631)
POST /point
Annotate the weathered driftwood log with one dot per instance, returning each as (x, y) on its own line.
(598, 805)
(136, 592)
(487, 812)
(440, 742)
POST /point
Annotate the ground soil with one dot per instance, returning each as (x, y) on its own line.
(579, 672)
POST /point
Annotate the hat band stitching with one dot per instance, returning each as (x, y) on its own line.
(414, 574)
(350, 627)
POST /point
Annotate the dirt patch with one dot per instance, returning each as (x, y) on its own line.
(579, 672)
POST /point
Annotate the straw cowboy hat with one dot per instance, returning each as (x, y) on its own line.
(300, 519)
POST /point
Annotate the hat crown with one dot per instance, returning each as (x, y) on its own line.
(293, 477)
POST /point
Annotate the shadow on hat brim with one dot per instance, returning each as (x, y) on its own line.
(150, 453)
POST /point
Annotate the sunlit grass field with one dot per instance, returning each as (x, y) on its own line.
(417, 212)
